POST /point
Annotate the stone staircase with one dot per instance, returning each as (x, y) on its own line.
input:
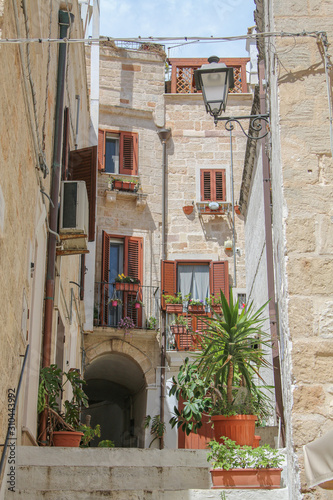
(120, 474)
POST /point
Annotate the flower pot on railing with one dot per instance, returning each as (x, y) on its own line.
(196, 309)
(127, 287)
(124, 185)
(174, 308)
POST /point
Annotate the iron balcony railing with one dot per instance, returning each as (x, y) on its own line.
(139, 303)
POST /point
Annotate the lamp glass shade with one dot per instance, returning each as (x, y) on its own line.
(214, 80)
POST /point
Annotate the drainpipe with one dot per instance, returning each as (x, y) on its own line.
(270, 264)
(164, 135)
(65, 19)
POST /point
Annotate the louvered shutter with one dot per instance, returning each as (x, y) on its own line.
(206, 194)
(219, 278)
(220, 187)
(82, 164)
(128, 154)
(65, 146)
(169, 279)
(213, 185)
(101, 149)
(133, 267)
(105, 257)
(104, 288)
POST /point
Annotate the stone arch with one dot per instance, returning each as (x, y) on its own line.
(117, 375)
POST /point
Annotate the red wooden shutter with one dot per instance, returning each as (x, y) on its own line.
(105, 257)
(82, 164)
(169, 279)
(133, 266)
(219, 278)
(212, 185)
(104, 288)
(205, 185)
(220, 187)
(101, 149)
(65, 146)
(128, 154)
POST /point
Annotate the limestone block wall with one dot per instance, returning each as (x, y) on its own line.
(196, 143)
(302, 222)
(27, 129)
(131, 99)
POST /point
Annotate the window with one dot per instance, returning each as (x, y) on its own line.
(120, 254)
(213, 185)
(118, 152)
(200, 278)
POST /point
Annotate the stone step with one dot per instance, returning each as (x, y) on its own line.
(122, 474)
(190, 494)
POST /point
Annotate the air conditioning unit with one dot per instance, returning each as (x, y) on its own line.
(74, 215)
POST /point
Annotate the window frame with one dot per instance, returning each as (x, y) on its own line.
(218, 275)
(127, 139)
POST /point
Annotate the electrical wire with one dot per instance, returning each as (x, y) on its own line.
(198, 39)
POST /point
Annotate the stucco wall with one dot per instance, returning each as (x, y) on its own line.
(27, 121)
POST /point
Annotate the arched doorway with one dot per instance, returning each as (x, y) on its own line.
(116, 388)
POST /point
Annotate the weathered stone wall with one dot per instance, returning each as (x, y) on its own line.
(302, 222)
(196, 143)
(28, 120)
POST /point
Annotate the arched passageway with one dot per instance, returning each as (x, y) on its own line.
(116, 388)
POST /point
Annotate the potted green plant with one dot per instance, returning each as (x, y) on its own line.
(64, 428)
(125, 183)
(214, 304)
(235, 466)
(151, 323)
(157, 427)
(174, 303)
(196, 306)
(220, 381)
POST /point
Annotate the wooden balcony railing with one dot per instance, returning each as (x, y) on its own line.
(182, 74)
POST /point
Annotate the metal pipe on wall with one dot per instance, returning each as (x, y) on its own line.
(164, 135)
(64, 20)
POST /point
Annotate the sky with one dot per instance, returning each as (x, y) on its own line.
(183, 18)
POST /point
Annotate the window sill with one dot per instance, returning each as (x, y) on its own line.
(111, 196)
(224, 208)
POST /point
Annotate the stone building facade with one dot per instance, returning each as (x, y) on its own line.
(299, 100)
(135, 113)
(29, 105)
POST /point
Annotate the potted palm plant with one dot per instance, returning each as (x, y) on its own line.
(64, 427)
(235, 466)
(221, 380)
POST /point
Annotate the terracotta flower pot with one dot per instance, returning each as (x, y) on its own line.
(196, 309)
(188, 209)
(174, 308)
(127, 287)
(239, 428)
(246, 478)
(256, 442)
(67, 438)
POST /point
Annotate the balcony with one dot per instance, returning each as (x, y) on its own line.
(137, 302)
(182, 74)
(185, 337)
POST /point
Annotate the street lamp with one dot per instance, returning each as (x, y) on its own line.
(215, 80)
